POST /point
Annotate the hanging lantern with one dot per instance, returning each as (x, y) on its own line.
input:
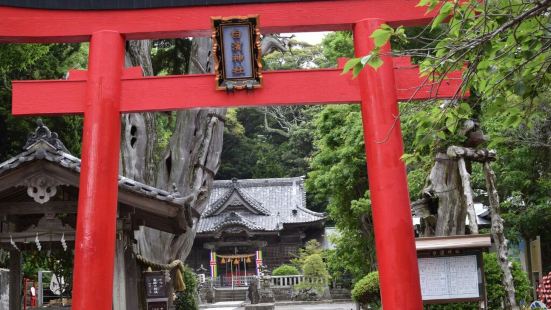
(236, 261)
(223, 260)
(248, 260)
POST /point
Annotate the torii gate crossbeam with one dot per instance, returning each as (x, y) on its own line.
(107, 89)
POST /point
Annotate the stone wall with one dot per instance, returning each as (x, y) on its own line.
(4, 289)
(283, 293)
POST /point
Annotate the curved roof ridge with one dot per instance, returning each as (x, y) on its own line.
(234, 218)
(221, 202)
(318, 214)
(258, 182)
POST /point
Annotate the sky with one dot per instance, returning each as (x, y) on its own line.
(309, 37)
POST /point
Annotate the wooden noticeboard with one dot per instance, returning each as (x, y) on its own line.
(446, 278)
(451, 268)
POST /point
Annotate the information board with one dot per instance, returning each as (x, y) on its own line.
(155, 285)
(450, 277)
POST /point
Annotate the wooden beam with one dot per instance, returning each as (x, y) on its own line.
(15, 279)
(291, 87)
(19, 25)
(31, 207)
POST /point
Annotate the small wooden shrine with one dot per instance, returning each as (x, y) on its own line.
(38, 208)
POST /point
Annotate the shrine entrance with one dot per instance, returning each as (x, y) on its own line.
(107, 89)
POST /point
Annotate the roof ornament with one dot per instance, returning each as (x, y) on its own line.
(14, 244)
(234, 182)
(43, 133)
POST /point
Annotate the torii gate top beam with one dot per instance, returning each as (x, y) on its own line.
(22, 25)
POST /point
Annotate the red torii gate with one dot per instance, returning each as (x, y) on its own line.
(108, 90)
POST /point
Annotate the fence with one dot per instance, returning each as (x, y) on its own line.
(277, 281)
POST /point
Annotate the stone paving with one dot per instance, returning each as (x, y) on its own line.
(288, 306)
(318, 306)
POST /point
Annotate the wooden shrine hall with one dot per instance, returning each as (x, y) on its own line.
(38, 206)
(252, 223)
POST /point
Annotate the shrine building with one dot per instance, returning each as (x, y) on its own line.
(38, 211)
(252, 223)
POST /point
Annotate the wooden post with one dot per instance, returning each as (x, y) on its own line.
(15, 279)
(97, 207)
(394, 238)
(120, 275)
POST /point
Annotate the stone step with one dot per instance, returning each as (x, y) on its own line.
(230, 295)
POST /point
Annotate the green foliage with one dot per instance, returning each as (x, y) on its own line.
(494, 287)
(187, 300)
(315, 274)
(56, 260)
(285, 270)
(171, 56)
(301, 56)
(380, 37)
(336, 45)
(338, 177)
(310, 248)
(253, 150)
(366, 290)
(36, 61)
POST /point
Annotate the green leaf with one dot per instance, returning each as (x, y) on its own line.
(464, 109)
(422, 3)
(445, 11)
(350, 64)
(381, 36)
(375, 62)
(451, 123)
(357, 69)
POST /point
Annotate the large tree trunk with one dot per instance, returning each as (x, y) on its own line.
(445, 187)
(137, 151)
(448, 196)
(187, 166)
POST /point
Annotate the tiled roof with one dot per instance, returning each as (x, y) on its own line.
(239, 197)
(44, 145)
(282, 199)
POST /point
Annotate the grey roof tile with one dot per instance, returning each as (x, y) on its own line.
(283, 198)
(44, 145)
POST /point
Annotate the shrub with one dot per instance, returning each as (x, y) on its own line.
(187, 300)
(366, 290)
(315, 273)
(496, 291)
(285, 270)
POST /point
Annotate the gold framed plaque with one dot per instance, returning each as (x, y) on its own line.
(237, 53)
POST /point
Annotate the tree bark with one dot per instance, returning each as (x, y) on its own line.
(444, 186)
(468, 195)
(137, 160)
(188, 164)
(499, 238)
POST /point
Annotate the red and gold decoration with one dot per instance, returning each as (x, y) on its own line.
(237, 53)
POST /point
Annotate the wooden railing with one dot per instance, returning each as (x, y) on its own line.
(277, 281)
(287, 281)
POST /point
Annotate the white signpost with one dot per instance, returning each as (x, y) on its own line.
(450, 268)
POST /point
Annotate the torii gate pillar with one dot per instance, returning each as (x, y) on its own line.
(97, 201)
(394, 239)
